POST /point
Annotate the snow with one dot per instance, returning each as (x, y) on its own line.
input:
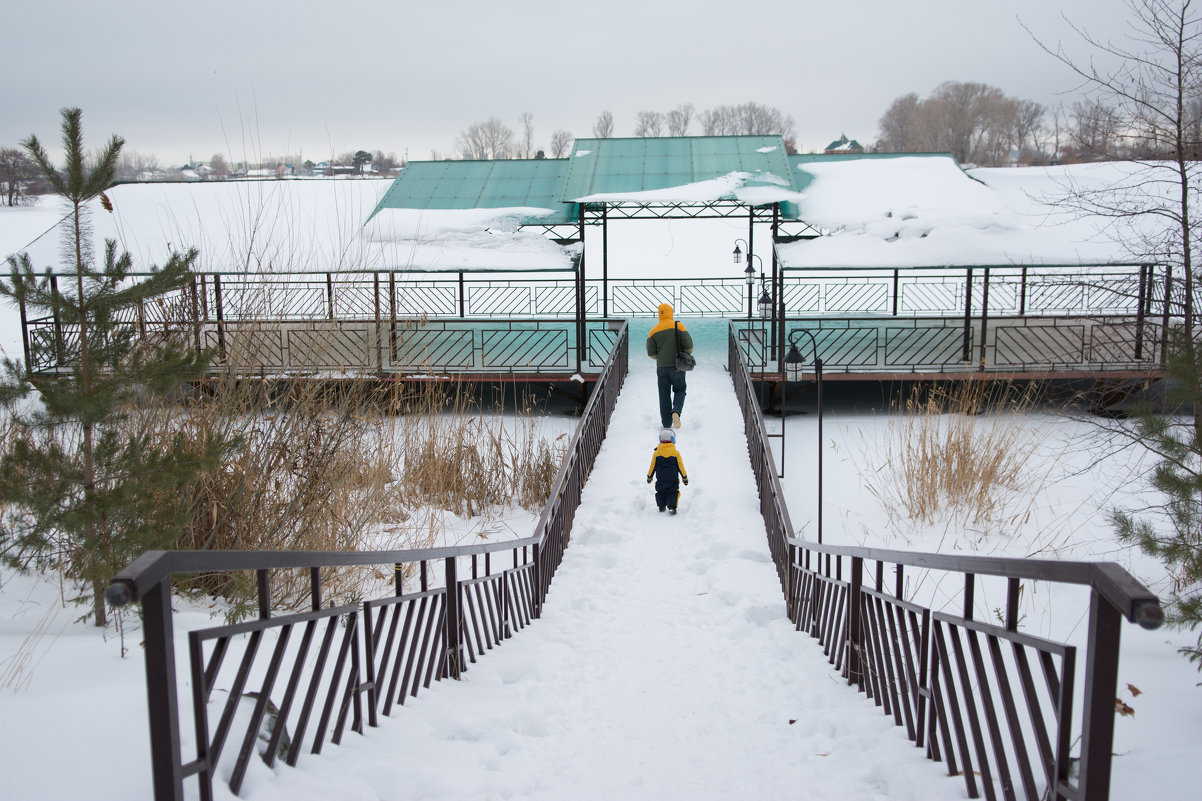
(733, 184)
(926, 211)
(663, 666)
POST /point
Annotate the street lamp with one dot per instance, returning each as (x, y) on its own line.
(793, 363)
(765, 302)
(749, 273)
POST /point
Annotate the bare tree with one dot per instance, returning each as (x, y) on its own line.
(1148, 98)
(712, 122)
(678, 120)
(752, 119)
(218, 165)
(491, 139)
(527, 121)
(975, 122)
(747, 119)
(603, 128)
(1028, 129)
(385, 162)
(135, 166)
(1094, 134)
(649, 123)
(17, 173)
(899, 126)
(561, 140)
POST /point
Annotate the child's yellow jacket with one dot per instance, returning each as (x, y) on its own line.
(666, 465)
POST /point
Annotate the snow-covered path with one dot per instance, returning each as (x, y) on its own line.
(663, 666)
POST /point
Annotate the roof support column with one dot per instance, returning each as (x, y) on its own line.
(777, 297)
(580, 344)
(604, 259)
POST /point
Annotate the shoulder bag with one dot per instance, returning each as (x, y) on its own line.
(684, 361)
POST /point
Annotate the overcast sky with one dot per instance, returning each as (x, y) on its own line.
(257, 78)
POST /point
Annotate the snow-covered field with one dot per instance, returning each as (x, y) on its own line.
(664, 667)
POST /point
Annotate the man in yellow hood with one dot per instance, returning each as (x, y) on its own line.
(661, 346)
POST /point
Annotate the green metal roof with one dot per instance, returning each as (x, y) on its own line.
(596, 167)
(610, 166)
(509, 183)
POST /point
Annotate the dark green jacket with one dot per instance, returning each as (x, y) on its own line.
(661, 342)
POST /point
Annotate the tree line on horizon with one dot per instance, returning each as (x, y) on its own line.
(976, 123)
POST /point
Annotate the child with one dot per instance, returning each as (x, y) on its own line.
(666, 465)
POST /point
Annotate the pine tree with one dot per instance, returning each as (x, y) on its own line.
(1177, 541)
(88, 485)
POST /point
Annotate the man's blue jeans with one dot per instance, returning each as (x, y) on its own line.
(671, 393)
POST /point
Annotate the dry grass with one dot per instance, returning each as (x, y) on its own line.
(347, 465)
(468, 462)
(960, 452)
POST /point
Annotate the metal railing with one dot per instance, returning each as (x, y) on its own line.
(1033, 318)
(1005, 727)
(335, 668)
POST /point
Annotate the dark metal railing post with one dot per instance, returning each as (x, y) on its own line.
(220, 315)
(264, 581)
(453, 639)
(195, 315)
(329, 296)
(24, 332)
(1101, 685)
(1141, 302)
(967, 355)
(162, 704)
(315, 588)
(59, 350)
(984, 318)
(1022, 294)
(379, 333)
(790, 610)
(855, 632)
(1013, 591)
(392, 349)
(1168, 300)
(462, 297)
(540, 586)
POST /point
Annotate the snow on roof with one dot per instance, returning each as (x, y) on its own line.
(748, 187)
(288, 226)
(927, 211)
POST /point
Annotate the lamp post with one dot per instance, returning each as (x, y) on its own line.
(793, 363)
(749, 273)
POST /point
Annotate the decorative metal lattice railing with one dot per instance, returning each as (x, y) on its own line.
(285, 685)
(993, 703)
(937, 345)
(913, 320)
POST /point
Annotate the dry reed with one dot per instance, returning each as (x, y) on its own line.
(961, 452)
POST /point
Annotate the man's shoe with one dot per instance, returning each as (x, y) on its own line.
(675, 420)
(672, 511)
(661, 508)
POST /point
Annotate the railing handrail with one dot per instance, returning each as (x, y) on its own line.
(447, 273)
(1118, 586)
(153, 567)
